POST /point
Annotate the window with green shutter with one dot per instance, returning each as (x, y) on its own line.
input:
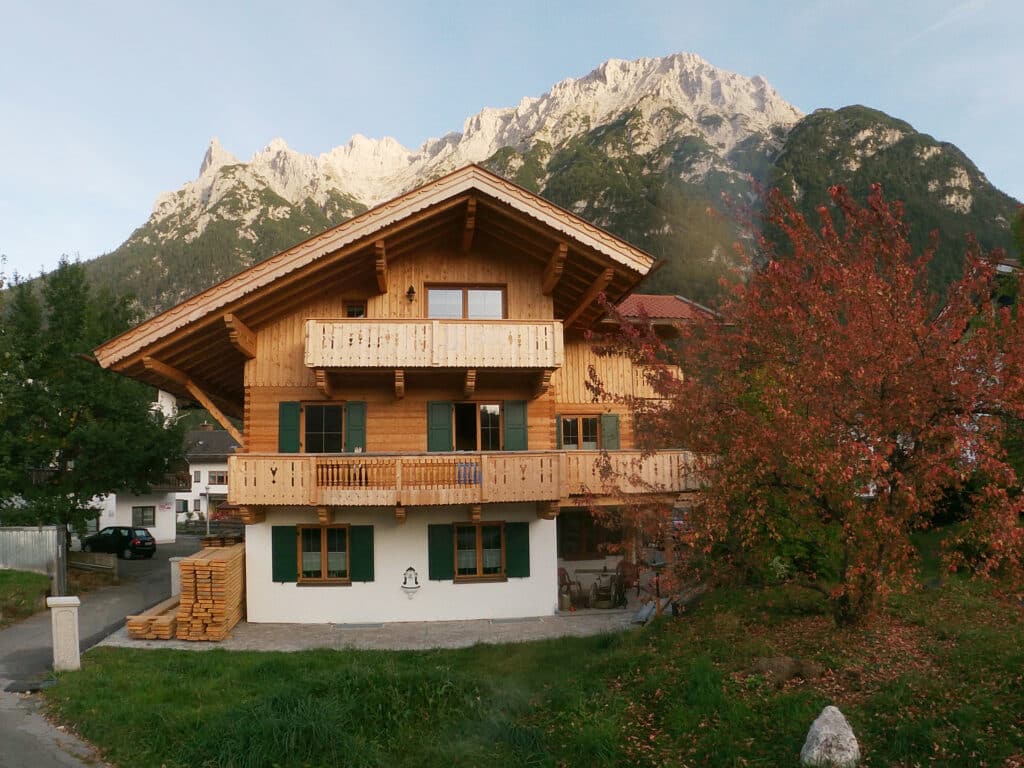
(284, 553)
(289, 416)
(361, 547)
(439, 425)
(610, 431)
(517, 550)
(515, 425)
(484, 551)
(323, 554)
(440, 552)
(355, 426)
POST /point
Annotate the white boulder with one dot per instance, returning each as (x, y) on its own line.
(830, 742)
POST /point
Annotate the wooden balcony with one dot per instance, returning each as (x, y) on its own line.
(451, 478)
(433, 344)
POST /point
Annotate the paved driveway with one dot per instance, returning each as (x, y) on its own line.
(27, 740)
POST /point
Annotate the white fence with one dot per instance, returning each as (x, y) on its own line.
(41, 549)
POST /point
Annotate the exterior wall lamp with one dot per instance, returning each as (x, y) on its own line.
(410, 295)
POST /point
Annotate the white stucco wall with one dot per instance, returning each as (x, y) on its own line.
(117, 510)
(203, 489)
(396, 547)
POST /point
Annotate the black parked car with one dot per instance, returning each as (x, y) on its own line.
(122, 541)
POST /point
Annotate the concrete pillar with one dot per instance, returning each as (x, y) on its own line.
(175, 575)
(64, 621)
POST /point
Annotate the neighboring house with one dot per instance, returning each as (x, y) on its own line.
(664, 312)
(418, 439)
(154, 510)
(206, 450)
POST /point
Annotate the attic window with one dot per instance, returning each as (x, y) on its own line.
(354, 309)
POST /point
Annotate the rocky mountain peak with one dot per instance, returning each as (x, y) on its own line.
(216, 157)
(641, 147)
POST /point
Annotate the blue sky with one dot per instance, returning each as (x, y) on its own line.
(105, 105)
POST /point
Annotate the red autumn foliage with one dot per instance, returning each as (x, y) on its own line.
(835, 403)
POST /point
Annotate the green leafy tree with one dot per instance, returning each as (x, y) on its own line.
(70, 431)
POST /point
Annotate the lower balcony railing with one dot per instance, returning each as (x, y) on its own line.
(451, 478)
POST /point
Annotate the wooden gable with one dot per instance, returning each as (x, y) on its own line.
(199, 349)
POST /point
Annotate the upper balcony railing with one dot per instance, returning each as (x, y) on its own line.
(434, 344)
(453, 478)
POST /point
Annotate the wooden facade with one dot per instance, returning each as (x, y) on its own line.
(340, 330)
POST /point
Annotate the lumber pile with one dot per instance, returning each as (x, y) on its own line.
(223, 540)
(212, 593)
(156, 623)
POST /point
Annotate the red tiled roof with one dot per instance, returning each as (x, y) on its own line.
(659, 307)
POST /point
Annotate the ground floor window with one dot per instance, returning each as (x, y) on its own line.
(143, 516)
(485, 551)
(479, 550)
(323, 553)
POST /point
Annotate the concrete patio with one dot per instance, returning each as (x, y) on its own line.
(397, 636)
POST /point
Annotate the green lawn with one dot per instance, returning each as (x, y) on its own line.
(937, 680)
(21, 594)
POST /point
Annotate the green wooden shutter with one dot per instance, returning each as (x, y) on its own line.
(515, 425)
(284, 555)
(360, 552)
(439, 425)
(440, 552)
(355, 425)
(558, 431)
(288, 415)
(610, 431)
(517, 550)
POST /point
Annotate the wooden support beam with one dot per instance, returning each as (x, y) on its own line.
(553, 271)
(547, 510)
(600, 283)
(250, 516)
(381, 266)
(470, 386)
(325, 515)
(323, 382)
(399, 513)
(543, 382)
(474, 513)
(182, 379)
(240, 336)
(470, 227)
(399, 383)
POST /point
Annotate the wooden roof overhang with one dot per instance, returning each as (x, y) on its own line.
(198, 349)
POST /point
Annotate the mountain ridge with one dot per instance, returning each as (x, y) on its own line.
(643, 148)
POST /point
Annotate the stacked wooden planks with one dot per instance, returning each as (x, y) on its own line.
(156, 623)
(212, 593)
(222, 540)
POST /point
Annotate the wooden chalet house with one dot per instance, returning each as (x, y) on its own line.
(412, 389)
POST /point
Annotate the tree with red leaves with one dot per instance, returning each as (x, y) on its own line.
(835, 403)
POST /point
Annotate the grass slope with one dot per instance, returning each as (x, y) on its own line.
(937, 680)
(21, 594)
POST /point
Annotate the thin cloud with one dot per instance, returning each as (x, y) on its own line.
(955, 15)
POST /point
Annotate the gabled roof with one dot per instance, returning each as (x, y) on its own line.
(208, 445)
(194, 335)
(666, 308)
